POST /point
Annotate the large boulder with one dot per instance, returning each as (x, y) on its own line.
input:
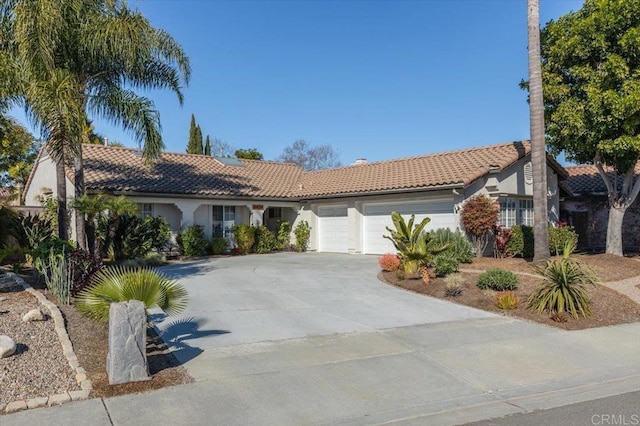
(127, 357)
(7, 346)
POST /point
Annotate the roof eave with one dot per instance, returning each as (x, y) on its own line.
(459, 185)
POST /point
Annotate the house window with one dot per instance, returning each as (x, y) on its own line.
(145, 210)
(224, 218)
(515, 211)
(275, 213)
(525, 212)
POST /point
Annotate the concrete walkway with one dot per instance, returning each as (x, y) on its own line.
(431, 366)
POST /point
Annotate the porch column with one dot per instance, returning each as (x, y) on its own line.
(257, 214)
(187, 208)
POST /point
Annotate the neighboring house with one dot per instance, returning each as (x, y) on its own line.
(587, 210)
(348, 208)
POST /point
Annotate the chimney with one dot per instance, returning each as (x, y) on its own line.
(360, 161)
(106, 141)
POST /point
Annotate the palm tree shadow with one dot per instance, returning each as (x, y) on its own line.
(176, 335)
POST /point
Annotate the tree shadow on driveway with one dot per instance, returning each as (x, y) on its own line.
(176, 333)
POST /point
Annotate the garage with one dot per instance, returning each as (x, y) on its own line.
(377, 217)
(333, 229)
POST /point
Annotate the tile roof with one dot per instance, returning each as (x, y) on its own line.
(427, 171)
(123, 169)
(585, 179)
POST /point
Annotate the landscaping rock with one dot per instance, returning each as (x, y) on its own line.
(7, 346)
(33, 315)
(2, 299)
(127, 357)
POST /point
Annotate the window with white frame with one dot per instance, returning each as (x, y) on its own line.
(223, 220)
(145, 210)
(514, 211)
(525, 212)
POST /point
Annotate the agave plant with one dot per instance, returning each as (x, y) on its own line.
(412, 242)
(565, 286)
(121, 284)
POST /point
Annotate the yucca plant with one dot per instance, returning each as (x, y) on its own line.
(565, 285)
(121, 284)
(412, 242)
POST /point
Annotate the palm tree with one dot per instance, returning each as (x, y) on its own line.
(106, 49)
(538, 151)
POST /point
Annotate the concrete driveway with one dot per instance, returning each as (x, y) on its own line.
(248, 299)
(316, 339)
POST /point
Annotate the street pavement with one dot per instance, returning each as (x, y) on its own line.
(294, 339)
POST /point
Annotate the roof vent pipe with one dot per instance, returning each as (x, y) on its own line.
(106, 141)
(360, 161)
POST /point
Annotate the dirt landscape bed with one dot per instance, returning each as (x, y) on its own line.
(39, 368)
(608, 306)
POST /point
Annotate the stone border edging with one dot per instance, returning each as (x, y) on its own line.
(67, 350)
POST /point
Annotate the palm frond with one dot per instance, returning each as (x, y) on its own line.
(121, 284)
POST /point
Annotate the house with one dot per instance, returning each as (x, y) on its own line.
(587, 209)
(347, 208)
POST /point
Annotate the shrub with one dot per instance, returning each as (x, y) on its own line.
(160, 231)
(131, 237)
(479, 215)
(266, 241)
(83, 267)
(389, 262)
(153, 259)
(284, 235)
(192, 241)
(559, 237)
(502, 236)
(120, 284)
(445, 264)
(564, 287)
(521, 242)
(413, 244)
(497, 279)
(57, 274)
(302, 232)
(453, 286)
(459, 246)
(218, 245)
(507, 300)
(245, 237)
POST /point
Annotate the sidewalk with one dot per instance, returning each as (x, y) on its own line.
(444, 373)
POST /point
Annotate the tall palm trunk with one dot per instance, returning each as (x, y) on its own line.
(536, 121)
(61, 186)
(79, 192)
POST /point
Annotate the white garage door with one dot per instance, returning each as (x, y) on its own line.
(378, 216)
(333, 230)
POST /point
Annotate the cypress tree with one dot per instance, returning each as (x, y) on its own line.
(192, 146)
(207, 146)
(198, 143)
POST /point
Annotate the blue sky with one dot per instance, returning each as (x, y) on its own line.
(374, 79)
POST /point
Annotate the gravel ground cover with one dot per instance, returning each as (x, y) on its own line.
(38, 368)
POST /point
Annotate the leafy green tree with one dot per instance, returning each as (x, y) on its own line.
(536, 123)
(19, 151)
(207, 146)
(310, 157)
(591, 82)
(85, 57)
(249, 154)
